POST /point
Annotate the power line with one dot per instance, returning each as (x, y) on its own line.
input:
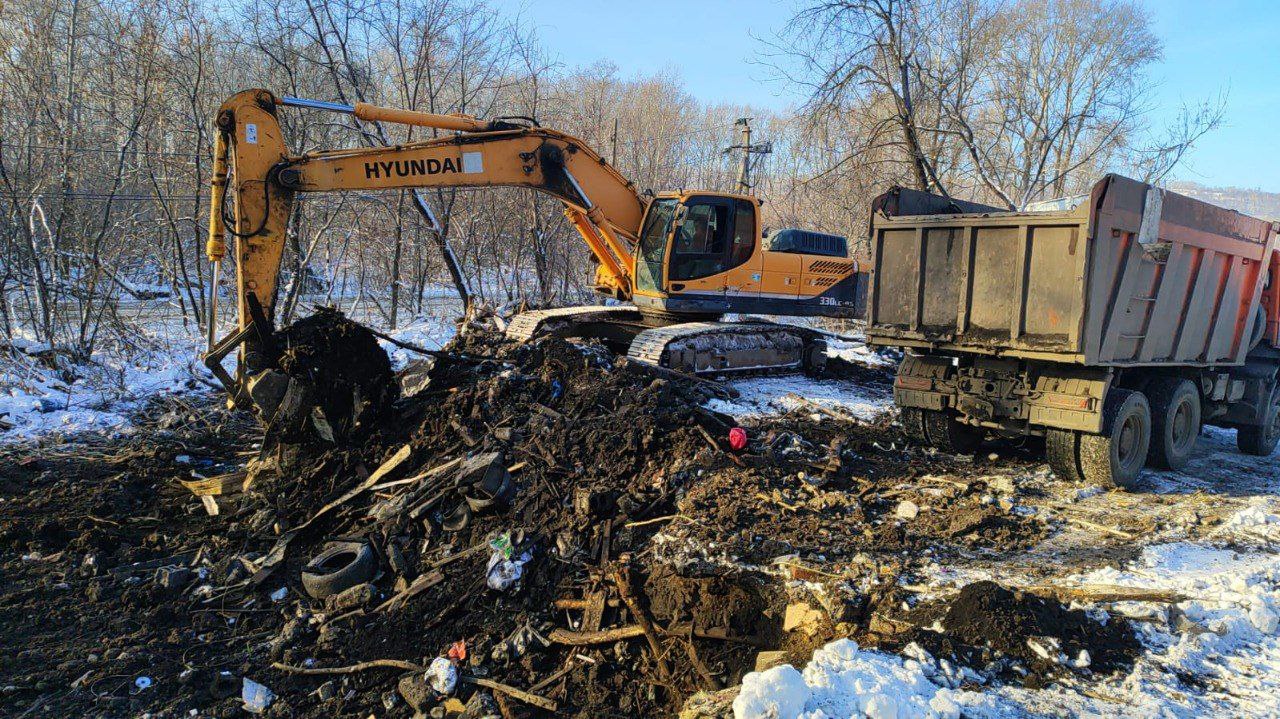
(174, 153)
(677, 135)
(104, 150)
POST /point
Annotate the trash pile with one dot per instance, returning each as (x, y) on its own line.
(500, 529)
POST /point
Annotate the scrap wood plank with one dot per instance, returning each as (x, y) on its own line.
(416, 587)
(810, 404)
(229, 483)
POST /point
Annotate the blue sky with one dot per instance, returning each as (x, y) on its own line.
(1209, 47)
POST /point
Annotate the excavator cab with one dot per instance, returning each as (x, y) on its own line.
(690, 246)
(702, 253)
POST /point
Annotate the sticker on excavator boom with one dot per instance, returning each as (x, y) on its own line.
(251, 133)
(472, 162)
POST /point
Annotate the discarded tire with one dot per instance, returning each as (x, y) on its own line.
(1115, 457)
(1175, 422)
(341, 566)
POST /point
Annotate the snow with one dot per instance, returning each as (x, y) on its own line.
(844, 680)
(774, 395)
(853, 349)
(766, 396)
(430, 333)
(40, 403)
(99, 401)
(1214, 654)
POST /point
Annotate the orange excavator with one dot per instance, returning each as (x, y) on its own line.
(676, 261)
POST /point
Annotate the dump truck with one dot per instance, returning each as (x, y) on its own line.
(1114, 326)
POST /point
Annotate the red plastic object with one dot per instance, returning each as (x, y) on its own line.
(737, 438)
(458, 651)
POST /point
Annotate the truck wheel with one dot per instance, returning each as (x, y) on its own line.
(947, 434)
(1115, 458)
(1060, 450)
(912, 419)
(1175, 422)
(1260, 440)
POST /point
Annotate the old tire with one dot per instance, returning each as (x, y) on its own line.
(1114, 458)
(912, 419)
(341, 566)
(1175, 422)
(1061, 449)
(1260, 440)
(947, 434)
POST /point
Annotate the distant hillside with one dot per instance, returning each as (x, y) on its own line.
(1261, 204)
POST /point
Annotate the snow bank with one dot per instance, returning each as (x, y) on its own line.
(39, 402)
(843, 680)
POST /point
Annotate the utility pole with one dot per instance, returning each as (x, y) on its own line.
(614, 138)
(761, 148)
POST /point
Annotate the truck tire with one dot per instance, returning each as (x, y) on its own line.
(912, 419)
(1060, 448)
(1175, 422)
(1115, 457)
(947, 434)
(1260, 440)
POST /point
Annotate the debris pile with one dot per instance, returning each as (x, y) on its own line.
(504, 529)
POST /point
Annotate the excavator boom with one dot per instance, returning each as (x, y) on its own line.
(266, 178)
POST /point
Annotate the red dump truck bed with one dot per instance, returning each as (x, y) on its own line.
(1134, 275)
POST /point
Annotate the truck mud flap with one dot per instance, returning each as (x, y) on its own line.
(924, 382)
(1068, 398)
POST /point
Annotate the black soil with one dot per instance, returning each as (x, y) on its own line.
(341, 360)
(987, 624)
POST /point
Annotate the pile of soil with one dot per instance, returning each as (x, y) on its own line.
(831, 490)
(1016, 634)
(339, 360)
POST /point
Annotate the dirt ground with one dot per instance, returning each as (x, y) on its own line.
(655, 560)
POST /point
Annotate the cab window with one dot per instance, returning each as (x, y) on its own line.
(715, 235)
(653, 245)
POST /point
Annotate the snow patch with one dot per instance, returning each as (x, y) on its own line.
(843, 680)
(769, 396)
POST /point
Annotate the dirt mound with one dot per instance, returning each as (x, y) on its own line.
(340, 361)
(987, 624)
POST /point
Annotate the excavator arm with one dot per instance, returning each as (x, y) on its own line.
(253, 168)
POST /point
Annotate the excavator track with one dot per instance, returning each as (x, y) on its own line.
(562, 320)
(716, 348)
(703, 348)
